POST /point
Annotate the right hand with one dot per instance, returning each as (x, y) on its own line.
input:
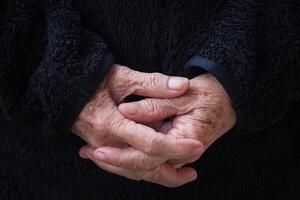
(100, 123)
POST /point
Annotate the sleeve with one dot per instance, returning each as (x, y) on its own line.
(49, 64)
(252, 48)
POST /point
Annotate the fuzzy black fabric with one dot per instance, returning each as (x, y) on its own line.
(54, 53)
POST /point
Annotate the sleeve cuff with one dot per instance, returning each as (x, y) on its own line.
(83, 92)
(198, 65)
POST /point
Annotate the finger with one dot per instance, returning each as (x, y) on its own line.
(153, 143)
(172, 177)
(152, 109)
(87, 152)
(133, 159)
(157, 84)
(164, 175)
(187, 127)
(83, 151)
(179, 163)
(127, 158)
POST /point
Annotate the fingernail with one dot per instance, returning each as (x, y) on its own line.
(99, 154)
(129, 108)
(176, 83)
(194, 175)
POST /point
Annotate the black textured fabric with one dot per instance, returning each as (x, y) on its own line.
(257, 43)
(45, 57)
(53, 53)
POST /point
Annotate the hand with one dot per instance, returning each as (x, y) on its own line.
(100, 123)
(204, 113)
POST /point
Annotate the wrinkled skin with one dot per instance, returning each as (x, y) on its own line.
(203, 113)
(101, 124)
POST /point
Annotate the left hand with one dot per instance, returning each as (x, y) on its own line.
(204, 113)
(101, 124)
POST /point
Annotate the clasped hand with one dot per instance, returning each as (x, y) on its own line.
(135, 141)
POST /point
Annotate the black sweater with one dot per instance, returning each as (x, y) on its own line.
(54, 53)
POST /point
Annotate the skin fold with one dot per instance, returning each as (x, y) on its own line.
(132, 140)
(101, 123)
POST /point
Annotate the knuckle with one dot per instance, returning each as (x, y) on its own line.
(128, 162)
(146, 164)
(153, 146)
(114, 72)
(102, 125)
(151, 106)
(121, 160)
(125, 73)
(94, 116)
(109, 126)
(138, 163)
(92, 134)
(141, 163)
(152, 80)
(157, 79)
(128, 129)
(151, 175)
(122, 76)
(103, 128)
(182, 129)
(119, 69)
